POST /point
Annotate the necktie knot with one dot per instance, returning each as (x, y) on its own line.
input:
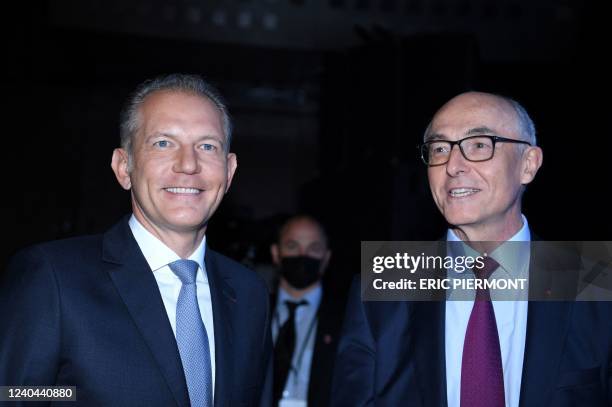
(292, 306)
(489, 266)
(185, 270)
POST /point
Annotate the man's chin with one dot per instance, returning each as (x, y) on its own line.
(459, 220)
(186, 224)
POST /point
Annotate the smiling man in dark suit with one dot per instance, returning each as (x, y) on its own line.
(481, 153)
(146, 314)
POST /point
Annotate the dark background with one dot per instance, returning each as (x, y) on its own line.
(329, 98)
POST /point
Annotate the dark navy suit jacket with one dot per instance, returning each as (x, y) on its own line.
(87, 312)
(393, 353)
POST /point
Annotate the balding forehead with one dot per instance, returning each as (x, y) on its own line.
(302, 221)
(477, 100)
(474, 110)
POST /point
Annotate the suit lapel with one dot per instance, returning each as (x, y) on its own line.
(223, 300)
(546, 331)
(428, 323)
(429, 351)
(329, 321)
(547, 325)
(138, 289)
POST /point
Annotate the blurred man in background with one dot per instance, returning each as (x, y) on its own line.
(307, 318)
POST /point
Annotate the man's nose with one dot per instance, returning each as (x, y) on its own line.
(187, 161)
(457, 163)
(303, 251)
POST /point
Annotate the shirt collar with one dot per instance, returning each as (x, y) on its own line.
(523, 235)
(513, 258)
(157, 253)
(313, 297)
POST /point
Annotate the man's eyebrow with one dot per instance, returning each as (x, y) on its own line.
(220, 138)
(479, 131)
(204, 137)
(434, 136)
(159, 134)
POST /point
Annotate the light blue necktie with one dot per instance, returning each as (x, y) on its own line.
(191, 336)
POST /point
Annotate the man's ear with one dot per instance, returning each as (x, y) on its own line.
(119, 164)
(232, 164)
(325, 261)
(531, 163)
(275, 254)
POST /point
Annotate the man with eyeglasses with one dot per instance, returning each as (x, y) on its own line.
(478, 184)
(481, 153)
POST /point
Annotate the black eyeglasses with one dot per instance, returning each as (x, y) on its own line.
(473, 148)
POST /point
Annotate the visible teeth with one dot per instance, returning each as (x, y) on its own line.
(183, 190)
(459, 192)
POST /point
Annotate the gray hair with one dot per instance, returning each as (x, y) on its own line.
(525, 124)
(528, 131)
(192, 84)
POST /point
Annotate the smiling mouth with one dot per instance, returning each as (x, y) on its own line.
(462, 192)
(183, 191)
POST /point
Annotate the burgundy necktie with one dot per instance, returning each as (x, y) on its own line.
(482, 376)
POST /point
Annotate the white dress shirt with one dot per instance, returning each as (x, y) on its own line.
(158, 256)
(511, 319)
(296, 387)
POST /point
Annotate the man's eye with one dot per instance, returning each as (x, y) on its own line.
(209, 147)
(162, 143)
(439, 149)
